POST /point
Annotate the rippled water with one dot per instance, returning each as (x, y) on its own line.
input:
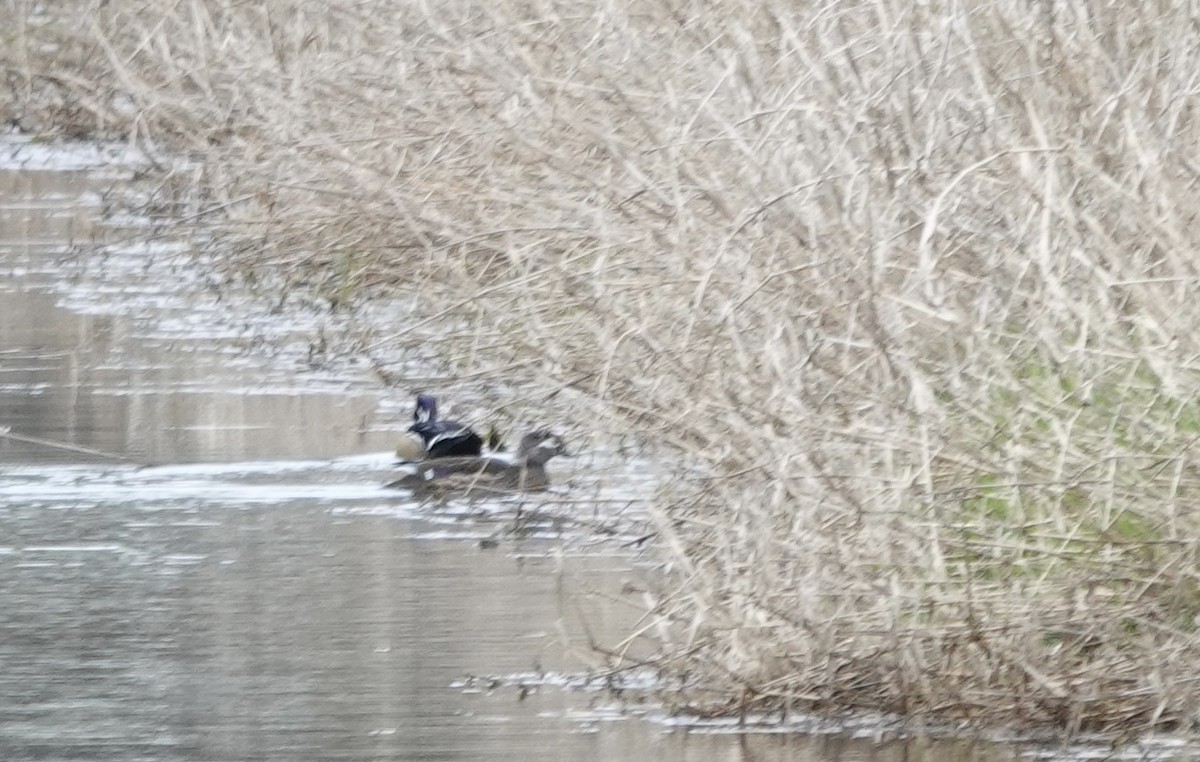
(214, 571)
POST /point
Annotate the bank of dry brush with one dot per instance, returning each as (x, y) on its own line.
(907, 289)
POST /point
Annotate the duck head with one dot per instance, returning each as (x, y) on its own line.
(540, 446)
(426, 409)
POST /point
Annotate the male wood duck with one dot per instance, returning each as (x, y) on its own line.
(525, 471)
(431, 438)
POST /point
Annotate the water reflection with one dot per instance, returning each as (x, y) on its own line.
(259, 630)
(270, 600)
(139, 365)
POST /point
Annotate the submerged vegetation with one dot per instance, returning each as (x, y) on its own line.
(908, 289)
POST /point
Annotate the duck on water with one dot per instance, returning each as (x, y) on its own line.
(430, 437)
(524, 471)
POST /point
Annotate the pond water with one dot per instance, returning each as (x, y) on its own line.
(198, 562)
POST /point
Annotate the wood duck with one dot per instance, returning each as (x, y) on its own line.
(525, 471)
(433, 438)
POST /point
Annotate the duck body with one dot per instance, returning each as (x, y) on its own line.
(448, 439)
(410, 448)
(433, 438)
(523, 472)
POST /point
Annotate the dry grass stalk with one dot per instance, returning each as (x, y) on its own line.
(910, 286)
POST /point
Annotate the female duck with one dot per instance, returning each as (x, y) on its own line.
(431, 438)
(526, 471)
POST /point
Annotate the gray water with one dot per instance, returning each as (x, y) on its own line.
(215, 573)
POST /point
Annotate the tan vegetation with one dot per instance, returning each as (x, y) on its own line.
(908, 289)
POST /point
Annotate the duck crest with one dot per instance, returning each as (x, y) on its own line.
(426, 409)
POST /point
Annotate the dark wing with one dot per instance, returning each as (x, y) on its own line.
(448, 439)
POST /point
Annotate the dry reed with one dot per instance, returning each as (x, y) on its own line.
(904, 287)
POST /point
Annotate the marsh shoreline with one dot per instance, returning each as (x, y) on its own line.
(907, 288)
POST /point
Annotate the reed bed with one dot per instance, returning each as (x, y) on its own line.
(905, 290)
